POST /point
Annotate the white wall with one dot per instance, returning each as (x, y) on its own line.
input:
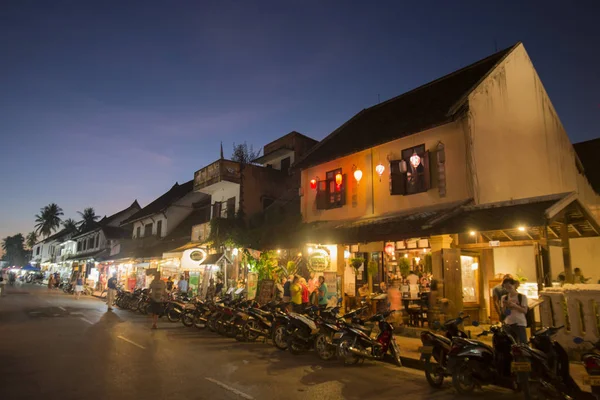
(585, 254)
(517, 261)
(276, 162)
(557, 264)
(222, 194)
(153, 219)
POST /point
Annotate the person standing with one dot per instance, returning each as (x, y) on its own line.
(182, 285)
(51, 282)
(287, 294)
(170, 284)
(514, 305)
(218, 288)
(78, 285)
(296, 294)
(158, 291)
(322, 290)
(412, 278)
(112, 290)
(498, 292)
(3, 282)
(305, 293)
(210, 290)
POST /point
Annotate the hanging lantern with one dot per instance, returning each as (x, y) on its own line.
(357, 175)
(415, 160)
(402, 166)
(380, 169)
(313, 184)
(389, 249)
(338, 179)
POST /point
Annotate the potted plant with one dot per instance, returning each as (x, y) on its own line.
(404, 265)
(373, 268)
(357, 262)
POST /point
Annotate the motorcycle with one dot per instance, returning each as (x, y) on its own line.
(475, 364)
(260, 322)
(356, 343)
(591, 361)
(302, 330)
(438, 347)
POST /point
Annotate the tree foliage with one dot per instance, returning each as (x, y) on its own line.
(31, 240)
(266, 266)
(14, 252)
(88, 218)
(70, 225)
(48, 220)
(244, 154)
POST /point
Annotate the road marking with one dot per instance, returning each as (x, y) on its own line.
(86, 320)
(132, 342)
(62, 308)
(233, 390)
(76, 313)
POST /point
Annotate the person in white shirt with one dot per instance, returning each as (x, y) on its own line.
(412, 278)
(514, 306)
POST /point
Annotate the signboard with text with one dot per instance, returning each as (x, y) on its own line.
(318, 260)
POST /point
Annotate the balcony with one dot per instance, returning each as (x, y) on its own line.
(216, 176)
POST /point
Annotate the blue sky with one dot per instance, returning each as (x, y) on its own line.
(104, 102)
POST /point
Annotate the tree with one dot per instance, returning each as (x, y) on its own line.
(88, 217)
(244, 154)
(48, 220)
(14, 252)
(31, 240)
(70, 224)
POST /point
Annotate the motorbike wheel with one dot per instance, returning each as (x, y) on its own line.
(198, 323)
(280, 337)
(462, 379)
(395, 350)
(292, 346)
(173, 316)
(212, 324)
(323, 347)
(345, 355)
(434, 373)
(246, 330)
(187, 319)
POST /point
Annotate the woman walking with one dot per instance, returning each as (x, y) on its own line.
(78, 286)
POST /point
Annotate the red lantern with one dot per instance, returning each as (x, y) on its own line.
(338, 179)
(313, 184)
(389, 249)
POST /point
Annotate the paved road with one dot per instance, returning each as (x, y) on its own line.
(54, 346)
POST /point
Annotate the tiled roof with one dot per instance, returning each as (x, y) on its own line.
(176, 192)
(109, 219)
(425, 107)
(589, 154)
(114, 232)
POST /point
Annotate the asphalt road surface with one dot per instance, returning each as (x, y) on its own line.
(53, 346)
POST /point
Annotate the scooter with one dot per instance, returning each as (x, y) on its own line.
(438, 347)
(475, 364)
(591, 361)
(302, 330)
(356, 344)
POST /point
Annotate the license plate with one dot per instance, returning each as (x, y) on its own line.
(337, 335)
(520, 367)
(591, 380)
(426, 350)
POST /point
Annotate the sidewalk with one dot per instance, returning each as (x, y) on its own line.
(409, 348)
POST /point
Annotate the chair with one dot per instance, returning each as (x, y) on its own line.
(418, 312)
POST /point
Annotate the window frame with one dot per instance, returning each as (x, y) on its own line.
(159, 228)
(403, 183)
(325, 199)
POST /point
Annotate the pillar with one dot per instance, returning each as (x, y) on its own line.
(566, 250)
(341, 269)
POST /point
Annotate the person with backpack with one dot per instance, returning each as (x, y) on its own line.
(514, 306)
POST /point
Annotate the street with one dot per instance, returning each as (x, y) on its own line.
(54, 346)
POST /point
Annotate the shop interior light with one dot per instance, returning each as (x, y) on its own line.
(405, 255)
(417, 259)
(521, 228)
(346, 254)
(299, 254)
(472, 233)
(278, 251)
(235, 251)
(310, 250)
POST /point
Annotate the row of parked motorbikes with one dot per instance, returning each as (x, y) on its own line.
(540, 369)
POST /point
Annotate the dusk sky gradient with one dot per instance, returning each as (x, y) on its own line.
(104, 102)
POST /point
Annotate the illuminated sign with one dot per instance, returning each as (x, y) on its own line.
(198, 255)
(318, 260)
(193, 258)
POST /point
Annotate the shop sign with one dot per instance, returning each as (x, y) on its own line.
(193, 258)
(494, 243)
(318, 260)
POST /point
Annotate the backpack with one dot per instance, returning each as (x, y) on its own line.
(529, 315)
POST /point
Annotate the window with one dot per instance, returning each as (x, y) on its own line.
(138, 232)
(407, 179)
(147, 230)
(38, 251)
(285, 164)
(84, 244)
(159, 228)
(97, 241)
(329, 193)
(79, 247)
(216, 211)
(231, 207)
(51, 250)
(470, 278)
(90, 243)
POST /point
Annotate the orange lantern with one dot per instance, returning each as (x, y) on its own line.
(338, 179)
(389, 249)
(313, 184)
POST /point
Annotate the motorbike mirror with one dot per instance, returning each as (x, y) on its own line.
(475, 323)
(578, 340)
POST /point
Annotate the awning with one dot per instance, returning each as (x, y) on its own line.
(87, 256)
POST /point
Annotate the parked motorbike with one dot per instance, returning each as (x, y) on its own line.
(591, 361)
(438, 347)
(260, 322)
(356, 344)
(475, 364)
(302, 330)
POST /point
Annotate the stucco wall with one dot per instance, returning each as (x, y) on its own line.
(370, 186)
(519, 148)
(517, 261)
(585, 254)
(226, 191)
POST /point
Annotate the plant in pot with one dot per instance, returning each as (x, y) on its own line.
(373, 267)
(404, 266)
(357, 262)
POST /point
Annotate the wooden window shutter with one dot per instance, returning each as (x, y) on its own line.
(343, 190)
(397, 179)
(426, 171)
(322, 195)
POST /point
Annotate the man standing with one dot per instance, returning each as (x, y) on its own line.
(498, 292)
(112, 290)
(287, 295)
(182, 285)
(158, 290)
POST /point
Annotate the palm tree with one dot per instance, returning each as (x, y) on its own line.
(88, 217)
(70, 224)
(31, 240)
(48, 220)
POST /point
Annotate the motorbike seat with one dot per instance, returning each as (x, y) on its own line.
(362, 328)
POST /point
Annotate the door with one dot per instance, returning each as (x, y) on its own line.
(448, 272)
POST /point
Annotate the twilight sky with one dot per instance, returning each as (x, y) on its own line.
(103, 102)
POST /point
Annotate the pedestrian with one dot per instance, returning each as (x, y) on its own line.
(3, 282)
(287, 295)
(210, 291)
(322, 290)
(514, 305)
(112, 291)
(296, 294)
(498, 292)
(78, 285)
(218, 288)
(305, 293)
(182, 285)
(170, 284)
(50, 282)
(278, 290)
(158, 290)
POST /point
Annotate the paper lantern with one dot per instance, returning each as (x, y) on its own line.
(338, 179)
(357, 175)
(380, 170)
(415, 160)
(313, 184)
(389, 249)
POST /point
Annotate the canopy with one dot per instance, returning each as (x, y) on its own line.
(30, 268)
